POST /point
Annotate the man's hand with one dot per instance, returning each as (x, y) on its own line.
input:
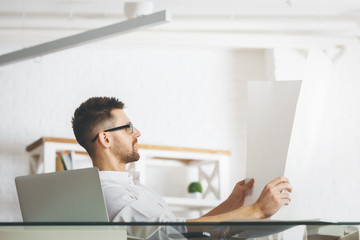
(271, 199)
(237, 196)
(274, 195)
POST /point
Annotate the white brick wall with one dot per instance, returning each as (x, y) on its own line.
(181, 96)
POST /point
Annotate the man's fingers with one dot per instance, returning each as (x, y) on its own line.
(242, 182)
(285, 196)
(246, 181)
(285, 201)
(284, 187)
(279, 180)
(249, 184)
(251, 181)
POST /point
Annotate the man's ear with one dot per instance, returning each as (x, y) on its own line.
(104, 139)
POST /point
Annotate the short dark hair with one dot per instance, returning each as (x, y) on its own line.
(91, 117)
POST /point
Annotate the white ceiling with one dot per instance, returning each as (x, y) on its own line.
(100, 8)
(232, 18)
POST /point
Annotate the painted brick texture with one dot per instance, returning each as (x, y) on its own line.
(180, 96)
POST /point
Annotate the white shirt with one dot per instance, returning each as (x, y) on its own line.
(127, 201)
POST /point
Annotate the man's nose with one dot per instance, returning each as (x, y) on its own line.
(137, 132)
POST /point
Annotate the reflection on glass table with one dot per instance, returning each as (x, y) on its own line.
(225, 230)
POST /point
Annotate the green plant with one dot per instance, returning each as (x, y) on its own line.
(195, 187)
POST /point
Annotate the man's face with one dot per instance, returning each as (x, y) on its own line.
(124, 142)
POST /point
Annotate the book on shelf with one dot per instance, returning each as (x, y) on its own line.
(59, 163)
(64, 160)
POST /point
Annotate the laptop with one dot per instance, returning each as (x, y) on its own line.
(66, 196)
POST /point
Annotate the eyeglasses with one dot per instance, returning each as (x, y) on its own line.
(130, 126)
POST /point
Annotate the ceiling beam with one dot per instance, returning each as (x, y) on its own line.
(86, 37)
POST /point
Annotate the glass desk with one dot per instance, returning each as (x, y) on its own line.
(225, 230)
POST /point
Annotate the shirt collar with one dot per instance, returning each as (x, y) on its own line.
(124, 177)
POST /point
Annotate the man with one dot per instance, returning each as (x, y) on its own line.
(105, 131)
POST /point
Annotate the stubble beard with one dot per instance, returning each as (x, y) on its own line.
(133, 157)
(125, 155)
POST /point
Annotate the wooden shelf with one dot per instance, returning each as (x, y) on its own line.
(42, 140)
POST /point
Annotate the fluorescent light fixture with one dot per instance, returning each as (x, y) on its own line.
(86, 37)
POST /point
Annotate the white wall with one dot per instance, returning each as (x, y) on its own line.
(180, 96)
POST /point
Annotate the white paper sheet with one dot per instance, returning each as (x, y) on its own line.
(271, 111)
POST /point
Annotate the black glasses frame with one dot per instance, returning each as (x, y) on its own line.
(130, 125)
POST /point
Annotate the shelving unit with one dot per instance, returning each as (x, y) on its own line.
(210, 167)
(43, 152)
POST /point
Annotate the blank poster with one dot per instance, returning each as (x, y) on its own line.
(271, 111)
